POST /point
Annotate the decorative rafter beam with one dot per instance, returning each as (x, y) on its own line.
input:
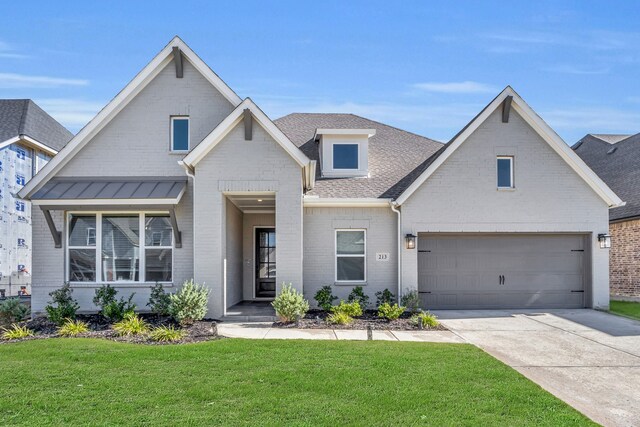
(57, 235)
(506, 109)
(248, 125)
(177, 59)
(177, 234)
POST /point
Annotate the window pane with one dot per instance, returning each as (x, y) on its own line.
(82, 265)
(82, 230)
(158, 265)
(120, 248)
(504, 173)
(350, 268)
(345, 156)
(350, 242)
(157, 231)
(180, 134)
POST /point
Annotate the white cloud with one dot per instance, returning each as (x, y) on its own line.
(594, 120)
(72, 113)
(7, 51)
(572, 69)
(13, 80)
(465, 87)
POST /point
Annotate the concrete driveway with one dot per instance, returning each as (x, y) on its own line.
(589, 359)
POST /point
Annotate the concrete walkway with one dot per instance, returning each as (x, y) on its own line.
(587, 358)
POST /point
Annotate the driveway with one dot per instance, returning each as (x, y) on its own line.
(589, 359)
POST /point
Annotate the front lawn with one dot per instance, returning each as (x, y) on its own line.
(626, 308)
(242, 382)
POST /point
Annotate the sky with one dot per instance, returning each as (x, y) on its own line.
(424, 66)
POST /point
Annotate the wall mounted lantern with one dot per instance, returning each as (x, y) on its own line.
(605, 241)
(410, 241)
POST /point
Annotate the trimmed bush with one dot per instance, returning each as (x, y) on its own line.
(16, 332)
(351, 309)
(159, 300)
(110, 307)
(390, 312)
(12, 310)
(189, 304)
(73, 328)
(132, 324)
(62, 305)
(424, 320)
(325, 298)
(384, 297)
(290, 304)
(411, 301)
(357, 295)
(167, 334)
(339, 318)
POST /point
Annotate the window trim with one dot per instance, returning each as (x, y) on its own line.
(333, 157)
(98, 248)
(336, 256)
(511, 175)
(173, 119)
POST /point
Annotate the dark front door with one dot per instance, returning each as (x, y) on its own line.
(265, 262)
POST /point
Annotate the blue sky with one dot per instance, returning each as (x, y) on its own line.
(427, 67)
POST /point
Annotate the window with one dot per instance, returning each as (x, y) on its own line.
(350, 256)
(345, 156)
(114, 240)
(505, 172)
(179, 133)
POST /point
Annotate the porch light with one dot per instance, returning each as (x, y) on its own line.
(605, 241)
(259, 200)
(410, 241)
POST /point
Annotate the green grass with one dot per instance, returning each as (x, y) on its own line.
(626, 308)
(244, 382)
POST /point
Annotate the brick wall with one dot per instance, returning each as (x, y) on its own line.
(624, 258)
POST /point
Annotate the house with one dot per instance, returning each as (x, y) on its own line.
(29, 137)
(616, 159)
(178, 178)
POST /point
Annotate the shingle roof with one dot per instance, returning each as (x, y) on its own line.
(618, 165)
(396, 157)
(24, 117)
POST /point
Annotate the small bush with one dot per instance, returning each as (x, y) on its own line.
(290, 304)
(390, 312)
(16, 332)
(65, 306)
(424, 320)
(132, 324)
(159, 300)
(325, 298)
(339, 318)
(167, 334)
(411, 300)
(351, 309)
(189, 304)
(384, 297)
(357, 295)
(73, 328)
(110, 307)
(12, 311)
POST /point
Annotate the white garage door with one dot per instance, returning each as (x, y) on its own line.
(501, 271)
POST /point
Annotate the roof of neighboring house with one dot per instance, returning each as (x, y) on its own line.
(610, 138)
(396, 157)
(618, 164)
(24, 117)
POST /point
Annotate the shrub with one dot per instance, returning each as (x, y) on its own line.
(73, 328)
(189, 304)
(357, 295)
(424, 319)
(12, 311)
(290, 304)
(384, 297)
(132, 324)
(390, 312)
(16, 332)
(339, 318)
(351, 309)
(325, 298)
(159, 300)
(167, 334)
(411, 300)
(110, 307)
(65, 306)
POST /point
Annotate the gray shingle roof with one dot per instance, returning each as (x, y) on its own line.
(396, 157)
(618, 165)
(112, 188)
(24, 117)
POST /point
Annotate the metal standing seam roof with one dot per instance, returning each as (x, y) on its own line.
(95, 188)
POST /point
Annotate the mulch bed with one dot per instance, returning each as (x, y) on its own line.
(99, 327)
(317, 319)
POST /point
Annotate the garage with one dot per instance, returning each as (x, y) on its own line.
(477, 271)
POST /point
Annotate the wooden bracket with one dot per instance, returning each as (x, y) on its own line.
(177, 234)
(177, 59)
(57, 235)
(248, 125)
(506, 109)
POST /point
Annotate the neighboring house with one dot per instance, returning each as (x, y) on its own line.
(29, 137)
(178, 178)
(616, 159)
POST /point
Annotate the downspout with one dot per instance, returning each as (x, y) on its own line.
(191, 174)
(394, 207)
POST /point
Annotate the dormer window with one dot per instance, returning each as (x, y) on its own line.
(344, 152)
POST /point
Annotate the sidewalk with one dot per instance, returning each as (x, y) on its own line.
(265, 331)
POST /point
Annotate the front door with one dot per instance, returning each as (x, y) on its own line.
(265, 262)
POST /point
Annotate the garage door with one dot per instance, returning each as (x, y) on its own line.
(501, 271)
